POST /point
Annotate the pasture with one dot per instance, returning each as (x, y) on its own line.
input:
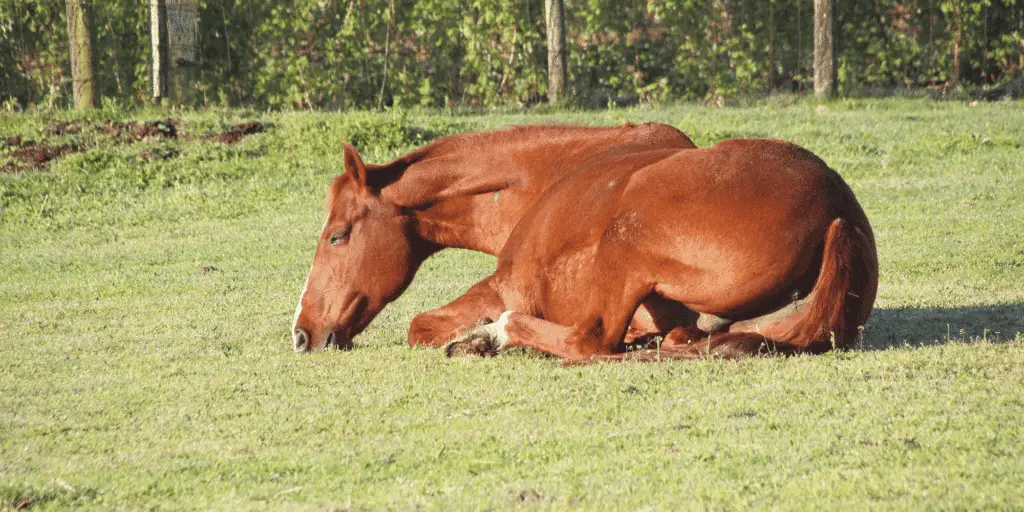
(147, 285)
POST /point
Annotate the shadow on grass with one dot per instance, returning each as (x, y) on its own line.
(920, 327)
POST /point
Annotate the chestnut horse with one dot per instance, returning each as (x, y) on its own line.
(465, 191)
(760, 238)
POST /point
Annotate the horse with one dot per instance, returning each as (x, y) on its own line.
(744, 248)
(464, 191)
(760, 237)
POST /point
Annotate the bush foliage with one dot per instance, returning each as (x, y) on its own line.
(372, 53)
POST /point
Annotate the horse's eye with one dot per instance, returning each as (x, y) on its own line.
(338, 237)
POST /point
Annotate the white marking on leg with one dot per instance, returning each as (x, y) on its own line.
(498, 330)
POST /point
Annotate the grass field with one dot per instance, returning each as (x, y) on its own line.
(147, 287)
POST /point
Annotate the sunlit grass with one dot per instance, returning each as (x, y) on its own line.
(132, 377)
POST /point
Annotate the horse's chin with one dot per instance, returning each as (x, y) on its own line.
(339, 343)
(343, 338)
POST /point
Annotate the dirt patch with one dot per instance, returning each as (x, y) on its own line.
(17, 142)
(237, 132)
(36, 155)
(160, 154)
(135, 131)
(529, 495)
(132, 131)
(31, 156)
(65, 128)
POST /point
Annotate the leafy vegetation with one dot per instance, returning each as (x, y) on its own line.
(147, 288)
(364, 54)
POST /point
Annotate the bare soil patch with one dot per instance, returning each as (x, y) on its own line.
(237, 132)
(166, 129)
(28, 155)
(128, 132)
(36, 155)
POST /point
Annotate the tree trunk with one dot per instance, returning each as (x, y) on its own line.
(387, 53)
(80, 38)
(931, 40)
(771, 46)
(555, 16)
(726, 17)
(957, 34)
(182, 16)
(824, 50)
(159, 49)
(799, 47)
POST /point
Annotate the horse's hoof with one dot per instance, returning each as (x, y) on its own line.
(477, 344)
(458, 348)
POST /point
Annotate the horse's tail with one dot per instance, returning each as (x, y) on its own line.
(843, 295)
(831, 316)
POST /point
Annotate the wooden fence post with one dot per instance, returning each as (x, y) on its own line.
(80, 42)
(181, 21)
(824, 50)
(554, 11)
(159, 52)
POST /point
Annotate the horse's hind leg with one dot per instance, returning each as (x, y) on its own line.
(725, 345)
(684, 335)
(437, 327)
(577, 345)
(656, 316)
(712, 323)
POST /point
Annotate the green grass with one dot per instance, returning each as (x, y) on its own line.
(129, 378)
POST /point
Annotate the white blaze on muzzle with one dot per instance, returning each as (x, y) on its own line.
(305, 287)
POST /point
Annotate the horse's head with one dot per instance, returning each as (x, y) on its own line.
(364, 259)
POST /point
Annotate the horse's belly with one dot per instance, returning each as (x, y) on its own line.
(739, 273)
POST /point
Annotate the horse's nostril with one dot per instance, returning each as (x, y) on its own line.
(331, 339)
(301, 339)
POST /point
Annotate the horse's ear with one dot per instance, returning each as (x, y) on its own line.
(355, 167)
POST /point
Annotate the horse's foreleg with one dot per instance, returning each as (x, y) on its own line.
(519, 330)
(437, 327)
(574, 345)
(599, 330)
(600, 333)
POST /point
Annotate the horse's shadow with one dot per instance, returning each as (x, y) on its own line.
(920, 327)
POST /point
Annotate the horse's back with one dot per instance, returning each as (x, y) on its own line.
(772, 177)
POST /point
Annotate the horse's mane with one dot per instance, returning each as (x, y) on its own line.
(506, 135)
(382, 174)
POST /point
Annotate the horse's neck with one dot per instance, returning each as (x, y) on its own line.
(469, 202)
(470, 192)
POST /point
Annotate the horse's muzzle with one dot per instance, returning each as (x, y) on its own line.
(302, 341)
